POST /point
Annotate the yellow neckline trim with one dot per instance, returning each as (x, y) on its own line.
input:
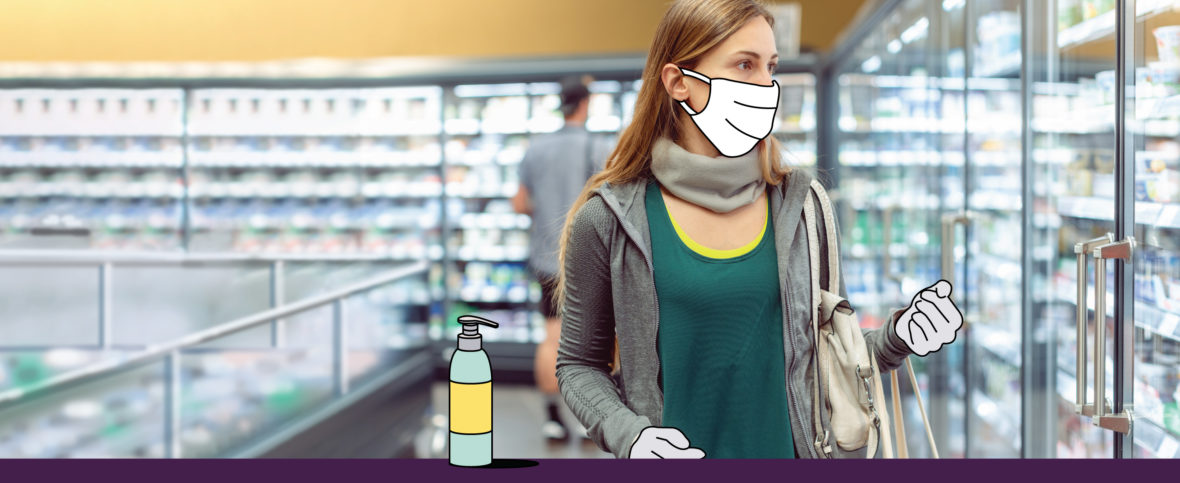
(715, 253)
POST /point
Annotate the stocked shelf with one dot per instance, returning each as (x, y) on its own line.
(924, 82)
(1007, 66)
(519, 325)
(1155, 439)
(918, 202)
(1146, 213)
(1151, 433)
(1149, 315)
(408, 111)
(1004, 421)
(493, 294)
(491, 253)
(1103, 25)
(502, 221)
(896, 249)
(471, 190)
(91, 190)
(259, 160)
(65, 160)
(91, 112)
(996, 342)
(314, 190)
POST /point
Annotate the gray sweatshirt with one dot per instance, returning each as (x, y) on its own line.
(610, 291)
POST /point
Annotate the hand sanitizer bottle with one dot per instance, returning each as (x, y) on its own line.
(471, 397)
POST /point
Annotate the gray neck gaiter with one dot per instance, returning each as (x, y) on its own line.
(721, 184)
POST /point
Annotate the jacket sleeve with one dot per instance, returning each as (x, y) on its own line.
(588, 335)
(883, 341)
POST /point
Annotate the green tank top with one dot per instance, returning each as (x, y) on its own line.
(720, 341)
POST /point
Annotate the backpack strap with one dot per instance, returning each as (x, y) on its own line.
(833, 248)
(822, 444)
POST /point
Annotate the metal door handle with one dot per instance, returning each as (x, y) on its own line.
(948, 243)
(1082, 249)
(1120, 250)
(887, 233)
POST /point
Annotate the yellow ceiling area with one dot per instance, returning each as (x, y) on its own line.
(257, 30)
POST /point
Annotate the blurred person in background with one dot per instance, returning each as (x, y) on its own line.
(552, 174)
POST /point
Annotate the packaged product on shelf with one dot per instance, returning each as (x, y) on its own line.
(505, 115)
(1069, 13)
(1167, 40)
(1163, 79)
(1106, 85)
(999, 41)
(1079, 175)
(1094, 8)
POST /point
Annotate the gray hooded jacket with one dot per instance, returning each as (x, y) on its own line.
(610, 292)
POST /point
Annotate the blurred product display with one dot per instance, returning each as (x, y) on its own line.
(930, 137)
(404, 172)
(229, 398)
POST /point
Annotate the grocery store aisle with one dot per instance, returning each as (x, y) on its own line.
(517, 426)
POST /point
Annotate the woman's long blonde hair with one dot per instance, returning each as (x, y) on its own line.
(689, 30)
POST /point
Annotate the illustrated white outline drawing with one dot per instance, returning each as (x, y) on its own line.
(712, 84)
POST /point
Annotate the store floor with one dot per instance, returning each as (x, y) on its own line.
(519, 412)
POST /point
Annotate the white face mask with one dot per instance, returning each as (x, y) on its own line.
(737, 114)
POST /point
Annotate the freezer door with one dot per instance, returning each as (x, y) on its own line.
(891, 141)
(992, 283)
(1073, 210)
(1154, 332)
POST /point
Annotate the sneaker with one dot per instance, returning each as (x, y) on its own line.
(554, 430)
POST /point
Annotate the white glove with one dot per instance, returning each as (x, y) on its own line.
(931, 321)
(663, 443)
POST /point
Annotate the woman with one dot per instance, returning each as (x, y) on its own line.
(687, 259)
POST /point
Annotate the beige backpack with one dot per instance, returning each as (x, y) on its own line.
(847, 392)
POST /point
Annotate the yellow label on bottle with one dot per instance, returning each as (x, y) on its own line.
(471, 408)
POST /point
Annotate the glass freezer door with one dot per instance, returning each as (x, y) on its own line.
(991, 289)
(1154, 131)
(1073, 204)
(893, 143)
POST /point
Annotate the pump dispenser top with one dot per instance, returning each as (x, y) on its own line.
(469, 339)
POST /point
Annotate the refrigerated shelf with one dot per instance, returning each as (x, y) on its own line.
(991, 200)
(1159, 215)
(501, 221)
(928, 202)
(1156, 439)
(90, 190)
(81, 161)
(1103, 25)
(1004, 421)
(497, 255)
(1150, 435)
(1006, 66)
(997, 343)
(897, 249)
(1148, 316)
(341, 161)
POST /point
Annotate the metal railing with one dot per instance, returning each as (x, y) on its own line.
(105, 261)
(170, 351)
